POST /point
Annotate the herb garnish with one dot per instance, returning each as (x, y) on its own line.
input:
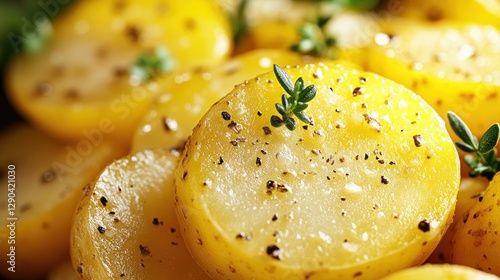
(485, 162)
(315, 40)
(295, 104)
(147, 66)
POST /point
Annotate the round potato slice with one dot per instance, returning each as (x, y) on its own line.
(126, 226)
(42, 182)
(476, 241)
(443, 272)
(83, 73)
(471, 11)
(367, 188)
(188, 96)
(453, 66)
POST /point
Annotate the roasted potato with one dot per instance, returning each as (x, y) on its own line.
(367, 187)
(476, 241)
(42, 181)
(126, 227)
(187, 96)
(83, 73)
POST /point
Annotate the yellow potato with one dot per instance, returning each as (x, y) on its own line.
(468, 194)
(187, 96)
(473, 11)
(369, 187)
(81, 81)
(42, 182)
(126, 225)
(442, 272)
(476, 241)
(453, 66)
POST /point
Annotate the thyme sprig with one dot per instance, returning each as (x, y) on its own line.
(484, 161)
(147, 66)
(314, 40)
(295, 103)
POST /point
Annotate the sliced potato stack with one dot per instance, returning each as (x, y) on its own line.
(45, 190)
(187, 96)
(476, 241)
(369, 187)
(452, 66)
(126, 226)
(83, 73)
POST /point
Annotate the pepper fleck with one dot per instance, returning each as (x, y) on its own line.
(384, 180)
(48, 176)
(236, 127)
(101, 229)
(243, 236)
(221, 161)
(145, 251)
(103, 200)
(274, 252)
(417, 139)
(226, 116)
(357, 91)
(258, 162)
(156, 222)
(259, 113)
(424, 225)
(267, 130)
(275, 217)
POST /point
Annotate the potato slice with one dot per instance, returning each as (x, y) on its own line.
(44, 179)
(472, 11)
(476, 241)
(442, 272)
(83, 74)
(187, 96)
(367, 189)
(453, 66)
(470, 190)
(126, 226)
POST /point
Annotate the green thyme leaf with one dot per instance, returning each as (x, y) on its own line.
(482, 158)
(295, 104)
(36, 40)
(290, 123)
(303, 116)
(489, 139)
(283, 79)
(276, 121)
(307, 94)
(148, 66)
(465, 147)
(314, 40)
(462, 130)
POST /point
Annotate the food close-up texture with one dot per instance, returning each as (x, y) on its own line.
(250, 139)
